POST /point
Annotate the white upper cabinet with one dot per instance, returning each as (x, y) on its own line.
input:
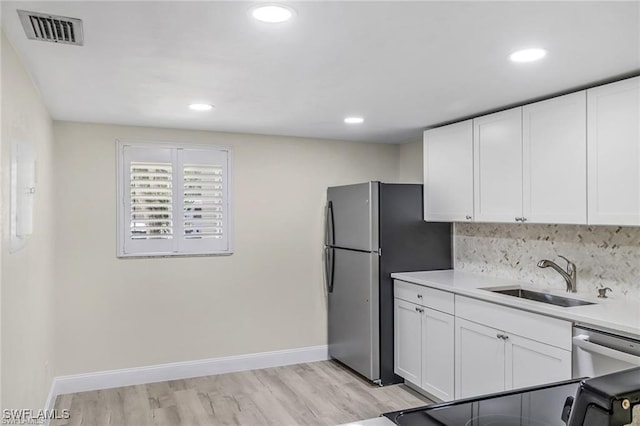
(448, 173)
(497, 149)
(613, 141)
(570, 159)
(554, 160)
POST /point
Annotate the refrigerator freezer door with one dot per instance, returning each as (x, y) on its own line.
(352, 216)
(354, 312)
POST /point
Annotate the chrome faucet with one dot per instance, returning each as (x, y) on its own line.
(569, 276)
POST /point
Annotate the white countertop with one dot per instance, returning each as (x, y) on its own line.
(618, 315)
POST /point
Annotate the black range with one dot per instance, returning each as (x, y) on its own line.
(601, 401)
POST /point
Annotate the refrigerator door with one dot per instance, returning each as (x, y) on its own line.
(354, 312)
(352, 216)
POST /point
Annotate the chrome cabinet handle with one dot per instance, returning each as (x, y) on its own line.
(518, 219)
(419, 310)
(502, 336)
(468, 217)
(419, 296)
(523, 219)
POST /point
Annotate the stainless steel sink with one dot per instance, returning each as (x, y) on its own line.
(540, 297)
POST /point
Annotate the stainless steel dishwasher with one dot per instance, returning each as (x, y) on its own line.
(597, 352)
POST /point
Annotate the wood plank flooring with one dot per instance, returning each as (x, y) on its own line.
(319, 393)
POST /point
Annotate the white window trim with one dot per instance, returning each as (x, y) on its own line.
(121, 192)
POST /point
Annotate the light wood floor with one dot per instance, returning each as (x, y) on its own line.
(319, 393)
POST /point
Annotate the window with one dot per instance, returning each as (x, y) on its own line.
(173, 199)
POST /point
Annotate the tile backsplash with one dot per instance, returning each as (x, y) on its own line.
(604, 255)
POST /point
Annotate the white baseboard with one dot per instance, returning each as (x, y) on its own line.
(181, 370)
(51, 399)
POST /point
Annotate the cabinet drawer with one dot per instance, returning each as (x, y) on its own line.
(424, 296)
(541, 328)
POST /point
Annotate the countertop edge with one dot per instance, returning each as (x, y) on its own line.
(601, 315)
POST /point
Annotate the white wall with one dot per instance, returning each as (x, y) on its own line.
(269, 295)
(27, 276)
(410, 162)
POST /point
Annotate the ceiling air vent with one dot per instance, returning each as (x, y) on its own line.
(57, 29)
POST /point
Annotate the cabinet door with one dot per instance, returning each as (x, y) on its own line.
(613, 146)
(448, 173)
(555, 160)
(530, 363)
(479, 359)
(497, 150)
(437, 354)
(407, 336)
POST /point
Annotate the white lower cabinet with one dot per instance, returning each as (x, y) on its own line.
(493, 354)
(479, 360)
(530, 363)
(484, 348)
(424, 346)
(437, 354)
(490, 360)
(407, 344)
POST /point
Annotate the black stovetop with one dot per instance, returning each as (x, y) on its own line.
(535, 406)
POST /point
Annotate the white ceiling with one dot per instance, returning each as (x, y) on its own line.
(402, 66)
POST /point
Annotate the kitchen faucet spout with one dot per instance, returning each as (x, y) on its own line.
(569, 275)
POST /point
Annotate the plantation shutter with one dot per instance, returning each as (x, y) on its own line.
(173, 199)
(149, 182)
(204, 200)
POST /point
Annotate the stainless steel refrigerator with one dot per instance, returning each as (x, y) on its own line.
(372, 230)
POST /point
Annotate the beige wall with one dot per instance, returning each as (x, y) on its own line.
(27, 275)
(116, 313)
(410, 162)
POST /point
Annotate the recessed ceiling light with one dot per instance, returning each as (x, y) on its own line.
(272, 13)
(528, 55)
(201, 107)
(354, 120)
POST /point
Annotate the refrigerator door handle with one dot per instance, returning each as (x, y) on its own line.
(329, 254)
(329, 264)
(330, 234)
